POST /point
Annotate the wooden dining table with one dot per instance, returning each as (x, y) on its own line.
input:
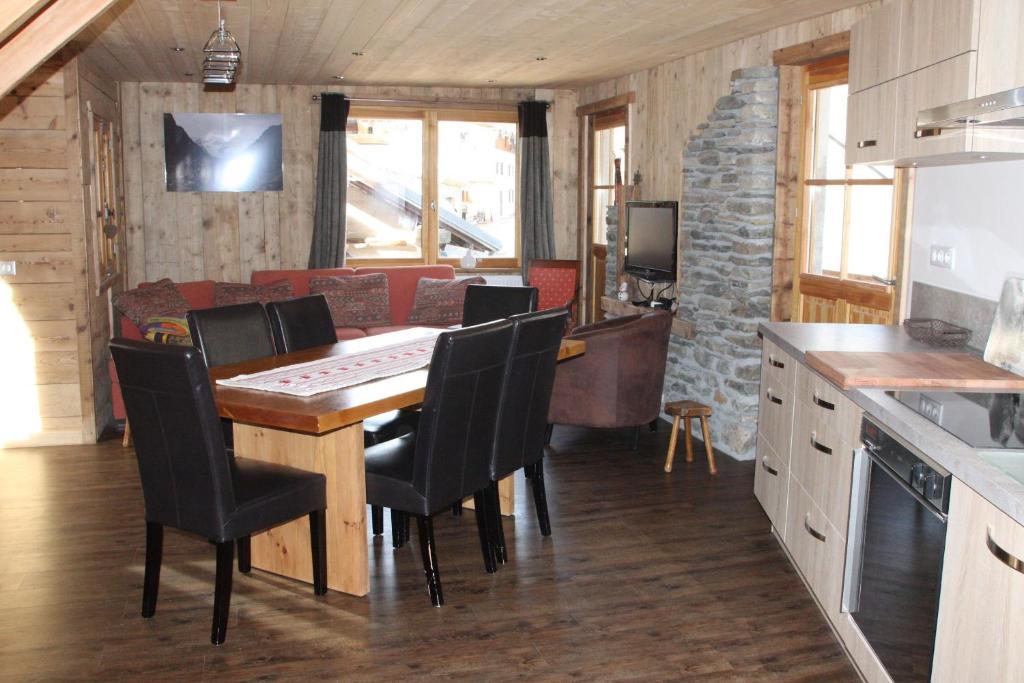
(324, 433)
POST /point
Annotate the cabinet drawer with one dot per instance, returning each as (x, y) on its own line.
(771, 484)
(817, 549)
(778, 367)
(828, 405)
(934, 30)
(775, 414)
(823, 464)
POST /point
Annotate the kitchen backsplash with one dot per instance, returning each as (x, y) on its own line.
(965, 310)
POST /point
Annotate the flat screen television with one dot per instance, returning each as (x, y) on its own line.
(651, 240)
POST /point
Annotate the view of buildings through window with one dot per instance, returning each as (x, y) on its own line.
(475, 177)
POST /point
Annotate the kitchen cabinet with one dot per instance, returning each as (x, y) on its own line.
(774, 430)
(874, 48)
(938, 84)
(771, 484)
(871, 125)
(931, 31)
(980, 628)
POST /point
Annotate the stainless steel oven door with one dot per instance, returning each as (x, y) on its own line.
(894, 555)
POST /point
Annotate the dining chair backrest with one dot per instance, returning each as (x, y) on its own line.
(460, 409)
(526, 392)
(301, 323)
(484, 303)
(231, 334)
(557, 282)
(183, 464)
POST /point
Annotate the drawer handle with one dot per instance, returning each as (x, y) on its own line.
(811, 530)
(770, 470)
(775, 363)
(772, 397)
(823, 403)
(819, 446)
(866, 143)
(927, 133)
(1014, 563)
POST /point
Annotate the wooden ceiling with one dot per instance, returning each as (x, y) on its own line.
(430, 42)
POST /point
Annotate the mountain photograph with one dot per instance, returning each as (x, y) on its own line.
(223, 152)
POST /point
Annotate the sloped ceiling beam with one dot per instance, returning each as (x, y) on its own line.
(30, 42)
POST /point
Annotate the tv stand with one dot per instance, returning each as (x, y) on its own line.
(680, 328)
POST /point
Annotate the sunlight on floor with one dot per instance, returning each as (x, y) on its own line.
(19, 402)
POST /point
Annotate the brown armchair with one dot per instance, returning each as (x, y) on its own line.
(618, 381)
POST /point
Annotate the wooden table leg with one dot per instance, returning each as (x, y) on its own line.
(339, 456)
(506, 496)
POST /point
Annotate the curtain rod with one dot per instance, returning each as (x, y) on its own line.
(420, 103)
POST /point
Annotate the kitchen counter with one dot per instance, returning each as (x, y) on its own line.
(961, 460)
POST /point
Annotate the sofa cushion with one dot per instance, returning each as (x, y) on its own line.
(439, 302)
(299, 278)
(355, 300)
(230, 293)
(161, 298)
(402, 281)
(167, 330)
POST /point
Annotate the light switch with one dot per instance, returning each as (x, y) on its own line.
(941, 257)
(8, 268)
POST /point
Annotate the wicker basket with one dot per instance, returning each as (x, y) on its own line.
(937, 332)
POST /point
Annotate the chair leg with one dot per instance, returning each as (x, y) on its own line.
(318, 542)
(377, 519)
(495, 529)
(709, 450)
(457, 509)
(689, 439)
(244, 554)
(653, 425)
(482, 510)
(548, 431)
(222, 591)
(154, 553)
(636, 437)
(672, 439)
(126, 440)
(399, 528)
(428, 549)
(540, 498)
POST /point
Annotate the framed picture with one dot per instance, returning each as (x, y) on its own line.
(223, 152)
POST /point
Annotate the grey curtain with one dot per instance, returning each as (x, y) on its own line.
(328, 248)
(537, 223)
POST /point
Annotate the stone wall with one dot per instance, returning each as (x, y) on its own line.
(611, 223)
(726, 258)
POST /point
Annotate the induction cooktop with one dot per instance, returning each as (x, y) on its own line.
(981, 420)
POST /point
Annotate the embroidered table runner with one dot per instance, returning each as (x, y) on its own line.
(338, 372)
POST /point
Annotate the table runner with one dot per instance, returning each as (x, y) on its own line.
(338, 372)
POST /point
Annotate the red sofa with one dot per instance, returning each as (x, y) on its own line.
(402, 281)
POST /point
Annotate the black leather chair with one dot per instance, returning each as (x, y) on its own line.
(449, 455)
(301, 323)
(190, 483)
(523, 414)
(231, 334)
(484, 303)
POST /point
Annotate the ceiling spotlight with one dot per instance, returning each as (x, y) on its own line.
(491, 80)
(358, 53)
(178, 49)
(339, 77)
(541, 59)
(222, 55)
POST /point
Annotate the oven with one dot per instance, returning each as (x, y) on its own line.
(896, 540)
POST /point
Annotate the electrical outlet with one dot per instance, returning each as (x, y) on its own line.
(941, 257)
(930, 408)
(8, 268)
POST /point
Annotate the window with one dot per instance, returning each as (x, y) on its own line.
(426, 186)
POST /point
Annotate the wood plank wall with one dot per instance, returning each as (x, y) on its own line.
(225, 236)
(673, 98)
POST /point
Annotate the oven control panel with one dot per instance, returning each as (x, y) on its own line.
(908, 465)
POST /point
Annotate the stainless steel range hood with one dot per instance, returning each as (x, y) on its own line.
(1001, 110)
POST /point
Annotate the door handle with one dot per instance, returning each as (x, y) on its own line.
(811, 530)
(822, 403)
(927, 133)
(772, 397)
(866, 143)
(770, 470)
(775, 363)
(1014, 563)
(884, 281)
(819, 446)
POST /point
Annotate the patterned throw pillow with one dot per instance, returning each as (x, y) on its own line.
(355, 300)
(162, 298)
(439, 302)
(167, 330)
(230, 293)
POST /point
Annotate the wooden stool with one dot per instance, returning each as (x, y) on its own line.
(686, 410)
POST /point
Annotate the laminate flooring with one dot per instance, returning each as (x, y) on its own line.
(647, 576)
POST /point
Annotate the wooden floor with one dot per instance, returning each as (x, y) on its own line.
(648, 576)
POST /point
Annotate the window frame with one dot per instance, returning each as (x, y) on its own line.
(431, 116)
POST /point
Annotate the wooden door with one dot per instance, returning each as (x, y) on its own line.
(849, 251)
(108, 229)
